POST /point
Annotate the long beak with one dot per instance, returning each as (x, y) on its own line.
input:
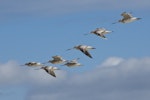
(105, 38)
(69, 49)
(115, 22)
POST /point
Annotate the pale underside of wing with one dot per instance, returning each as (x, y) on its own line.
(51, 72)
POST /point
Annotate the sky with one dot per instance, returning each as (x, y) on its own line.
(36, 30)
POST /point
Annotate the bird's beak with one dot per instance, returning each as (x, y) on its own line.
(115, 22)
(69, 49)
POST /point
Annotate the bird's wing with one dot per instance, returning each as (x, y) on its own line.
(86, 53)
(32, 63)
(57, 58)
(104, 32)
(101, 35)
(51, 72)
(72, 62)
(100, 30)
(126, 15)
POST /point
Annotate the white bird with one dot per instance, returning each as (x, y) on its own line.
(127, 18)
(84, 49)
(57, 60)
(50, 70)
(100, 32)
(32, 64)
(73, 63)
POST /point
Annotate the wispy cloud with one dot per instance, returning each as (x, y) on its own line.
(115, 78)
(124, 80)
(50, 7)
(12, 73)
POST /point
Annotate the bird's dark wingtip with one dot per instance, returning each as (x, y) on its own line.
(90, 57)
(54, 76)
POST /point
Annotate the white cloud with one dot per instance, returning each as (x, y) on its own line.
(113, 61)
(12, 73)
(127, 80)
(116, 78)
(9, 73)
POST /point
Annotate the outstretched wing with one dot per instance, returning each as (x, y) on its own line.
(101, 35)
(57, 58)
(51, 72)
(126, 15)
(86, 53)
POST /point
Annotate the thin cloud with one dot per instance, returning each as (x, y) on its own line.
(126, 80)
(52, 7)
(11, 74)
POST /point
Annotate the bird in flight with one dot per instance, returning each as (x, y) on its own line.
(56, 60)
(101, 32)
(84, 49)
(73, 63)
(127, 18)
(33, 64)
(50, 70)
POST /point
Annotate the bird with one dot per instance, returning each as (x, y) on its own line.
(127, 18)
(50, 70)
(100, 32)
(57, 60)
(73, 63)
(84, 49)
(33, 64)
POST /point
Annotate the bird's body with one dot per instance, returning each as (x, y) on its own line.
(33, 64)
(84, 49)
(100, 32)
(50, 70)
(57, 60)
(127, 18)
(73, 63)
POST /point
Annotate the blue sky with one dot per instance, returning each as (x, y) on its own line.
(36, 30)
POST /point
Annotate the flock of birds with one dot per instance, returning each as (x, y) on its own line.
(127, 18)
